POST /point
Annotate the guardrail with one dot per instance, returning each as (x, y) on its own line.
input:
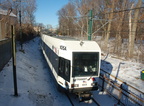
(120, 90)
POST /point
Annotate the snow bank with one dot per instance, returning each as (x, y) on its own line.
(35, 84)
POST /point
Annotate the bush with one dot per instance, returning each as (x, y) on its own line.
(27, 31)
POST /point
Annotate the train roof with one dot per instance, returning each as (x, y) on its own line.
(70, 43)
(66, 38)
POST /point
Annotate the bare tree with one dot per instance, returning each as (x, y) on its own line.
(66, 22)
(29, 7)
(133, 29)
(110, 17)
(82, 8)
(118, 41)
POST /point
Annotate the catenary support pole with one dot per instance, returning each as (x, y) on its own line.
(90, 22)
(14, 61)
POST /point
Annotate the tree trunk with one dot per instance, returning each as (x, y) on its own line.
(109, 26)
(133, 27)
(118, 42)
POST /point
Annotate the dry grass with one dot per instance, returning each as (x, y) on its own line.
(28, 33)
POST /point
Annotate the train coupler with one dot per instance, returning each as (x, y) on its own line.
(84, 96)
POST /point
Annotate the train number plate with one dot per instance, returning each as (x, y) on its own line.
(84, 84)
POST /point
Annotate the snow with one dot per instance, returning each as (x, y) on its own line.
(35, 85)
(35, 82)
(127, 71)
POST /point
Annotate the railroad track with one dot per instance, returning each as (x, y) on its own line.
(71, 102)
(69, 99)
(95, 102)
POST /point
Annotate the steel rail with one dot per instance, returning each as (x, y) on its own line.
(69, 99)
(95, 101)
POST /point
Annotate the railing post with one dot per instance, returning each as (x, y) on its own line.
(103, 80)
(120, 94)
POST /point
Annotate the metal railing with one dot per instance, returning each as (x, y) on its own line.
(120, 90)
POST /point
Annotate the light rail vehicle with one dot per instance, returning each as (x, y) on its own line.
(75, 64)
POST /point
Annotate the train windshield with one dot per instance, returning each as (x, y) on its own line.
(85, 64)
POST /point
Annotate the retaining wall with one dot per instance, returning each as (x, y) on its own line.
(5, 52)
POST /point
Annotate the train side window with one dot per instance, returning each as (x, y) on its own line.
(61, 66)
(64, 68)
(67, 70)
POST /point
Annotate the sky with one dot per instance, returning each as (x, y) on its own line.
(47, 10)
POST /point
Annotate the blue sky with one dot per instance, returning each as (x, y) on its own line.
(46, 12)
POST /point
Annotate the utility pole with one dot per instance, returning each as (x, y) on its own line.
(90, 22)
(14, 60)
(20, 26)
(20, 23)
(21, 42)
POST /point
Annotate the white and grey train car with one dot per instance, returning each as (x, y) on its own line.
(75, 64)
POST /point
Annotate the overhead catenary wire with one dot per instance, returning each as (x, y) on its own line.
(106, 13)
(85, 16)
(124, 10)
(94, 18)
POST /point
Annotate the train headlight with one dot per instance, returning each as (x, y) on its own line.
(66, 84)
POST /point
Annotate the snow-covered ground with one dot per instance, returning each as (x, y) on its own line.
(124, 71)
(127, 71)
(35, 82)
